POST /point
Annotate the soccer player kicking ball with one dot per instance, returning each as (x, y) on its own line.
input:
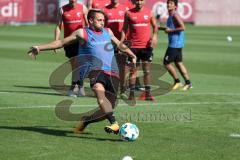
(96, 42)
(175, 30)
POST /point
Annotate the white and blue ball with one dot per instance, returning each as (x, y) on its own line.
(129, 132)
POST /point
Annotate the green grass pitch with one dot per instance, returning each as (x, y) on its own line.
(203, 123)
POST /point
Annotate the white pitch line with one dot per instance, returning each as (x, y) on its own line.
(46, 106)
(40, 155)
(124, 104)
(234, 135)
(191, 103)
(206, 93)
(173, 93)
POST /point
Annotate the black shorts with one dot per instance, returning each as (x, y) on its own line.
(143, 54)
(172, 55)
(110, 84)
(71, 50)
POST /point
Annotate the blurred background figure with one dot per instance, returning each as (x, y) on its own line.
(71, 17)
(97, 4)
(138, 22)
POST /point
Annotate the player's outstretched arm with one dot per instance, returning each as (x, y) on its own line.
(36, 49)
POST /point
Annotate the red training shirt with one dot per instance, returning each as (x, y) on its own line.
(73, 18)
(115, 16)
(139, 27)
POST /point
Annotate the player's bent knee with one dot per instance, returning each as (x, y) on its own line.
(98, 87)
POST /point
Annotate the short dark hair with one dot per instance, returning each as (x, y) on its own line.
(175, 2)
(92, 12)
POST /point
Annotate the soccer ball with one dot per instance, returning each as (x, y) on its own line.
(127, 158)
(229, 38)
(129, 132)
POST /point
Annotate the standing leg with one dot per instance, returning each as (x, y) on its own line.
(132, 82)
(173, 73)
(146, 67)
(170, 56)
(123, 70)
(184, 74)
(75, 77)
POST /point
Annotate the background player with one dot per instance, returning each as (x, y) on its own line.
(115, 17)
(71, 17)
(101, 4)
(175, 30)
(139, 21)
(97, 4)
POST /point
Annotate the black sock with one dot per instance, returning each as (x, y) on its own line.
(73, 85)
(176, 81)
(132, 89)
(147, 89)
(123, 89)
(187, 82)
(111, 117)
(80, 83)
(138, 82)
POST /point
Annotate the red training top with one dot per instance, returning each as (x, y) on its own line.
(128, 3)
(115, 16)
(100, 4)
(139, 27)
(73, 18)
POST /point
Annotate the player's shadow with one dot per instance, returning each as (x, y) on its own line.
(63, 89)
(32, 92)
(39, 129)
(57, 132)
(33, 87)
